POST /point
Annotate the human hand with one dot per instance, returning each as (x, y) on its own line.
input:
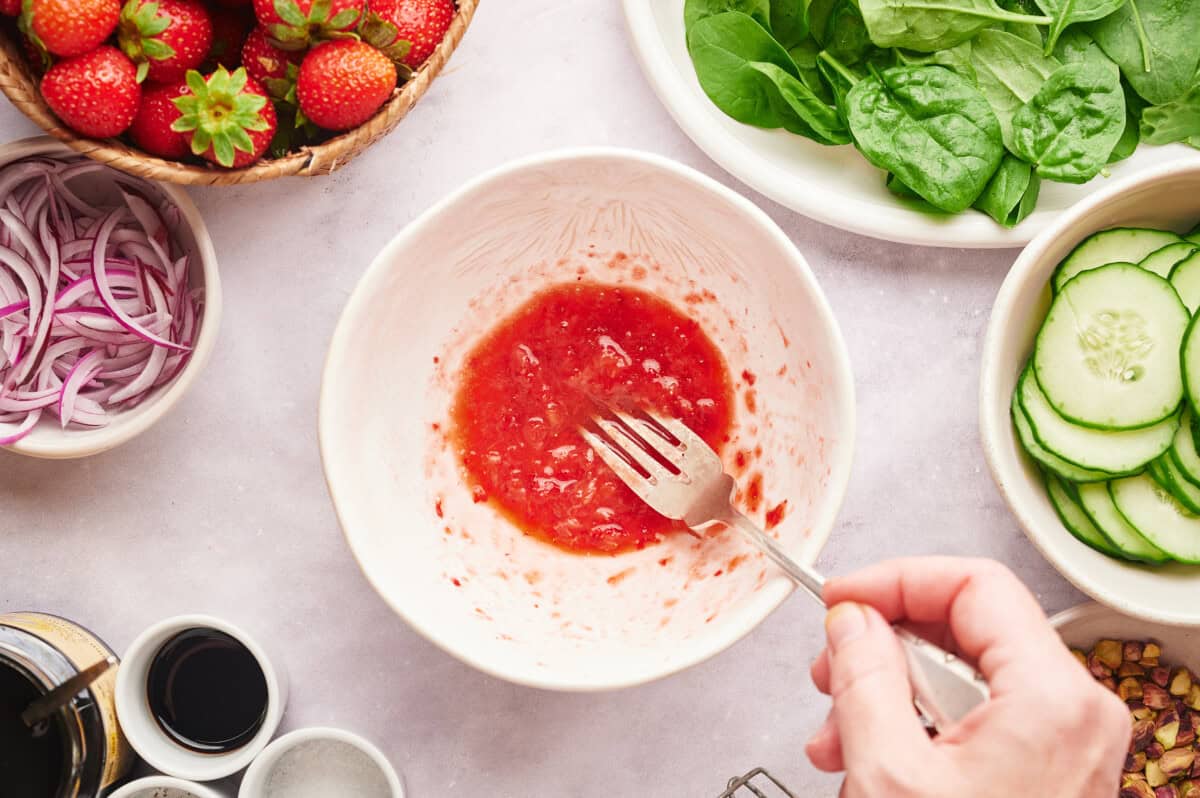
(1049, 728)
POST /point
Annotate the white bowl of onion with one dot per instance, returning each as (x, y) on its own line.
(109, 301)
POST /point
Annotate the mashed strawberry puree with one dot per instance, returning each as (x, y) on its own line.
(529, 383)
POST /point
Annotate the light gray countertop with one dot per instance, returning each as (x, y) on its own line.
(222, 508)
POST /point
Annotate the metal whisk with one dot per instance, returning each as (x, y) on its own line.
(753, 784)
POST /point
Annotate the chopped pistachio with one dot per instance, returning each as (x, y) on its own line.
(1132, 650)
(1189, 789)
(1167, 730)
(1079, 655)
(1154, 774)
(1141, 712)
(1143, 735)
(1155, 697)
(1186, 736)
(1160, 676)
(1175, 762)
(1129, 689)
(1155, 750)
(1131, 669)
(1135, 763)
(1110, 652)
(1167, 791)
(1137, 789)
(1181, 682)
(1097, 667)
(1151, 650)
(1193, 699)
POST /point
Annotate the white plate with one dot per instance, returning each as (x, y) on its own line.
(834, 185)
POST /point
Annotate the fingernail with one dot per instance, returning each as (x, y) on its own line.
(844, 623)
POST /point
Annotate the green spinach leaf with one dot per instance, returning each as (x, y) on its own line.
(1156, 43)
(929, 25)
(1012, 193)
(696, 10)
(1025, 30)
(846, 37)
(1071, 126)
(1009, 71)
(931, 128)
(1178, 120)
(956, 58)
(805, 57)
(800, 110)
(1068, 12)
(1077, 46)
(723, 48)
(789, 21)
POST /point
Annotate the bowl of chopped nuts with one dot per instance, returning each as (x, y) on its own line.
(1153, 668)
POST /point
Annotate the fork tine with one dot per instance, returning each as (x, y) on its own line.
(614, 456)
(668, 453)
(626, 439)
(681, 431)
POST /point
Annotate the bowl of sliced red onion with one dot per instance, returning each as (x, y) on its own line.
(109, 301)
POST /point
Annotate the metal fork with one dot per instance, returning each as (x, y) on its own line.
(679, 475)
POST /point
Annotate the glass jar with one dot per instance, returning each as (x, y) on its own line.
(82, 752)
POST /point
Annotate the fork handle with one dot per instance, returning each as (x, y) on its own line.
(945, 689)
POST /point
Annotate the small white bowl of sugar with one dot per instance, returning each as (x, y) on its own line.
(318, 763)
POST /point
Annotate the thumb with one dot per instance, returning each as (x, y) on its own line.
(872, 698)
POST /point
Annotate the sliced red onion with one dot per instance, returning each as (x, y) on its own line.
(96, 310)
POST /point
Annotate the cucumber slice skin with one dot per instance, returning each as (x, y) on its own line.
(1184, 492)
(1118, 244)
(1189, 365)
(1089, 387)
(1185, 279)
(1158, 516)
(1183, 449)
(1098, 504)
(1162, 261)
(1091, 449)
(1075, 520)
(1049, 461)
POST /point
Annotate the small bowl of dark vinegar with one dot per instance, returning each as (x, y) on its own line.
(199, 698)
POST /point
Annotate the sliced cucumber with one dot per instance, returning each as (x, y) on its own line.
(1121, 244)
(1156, 472)
(1158, 516)
(1189, 358)
(1106, 356)
(1076, 520)
(1048, 460)
(1117, 452)
(1162, 260)
(1194, 235)
(1098, 503)
(1183, 449)
(1185, 279)
(1176, 484)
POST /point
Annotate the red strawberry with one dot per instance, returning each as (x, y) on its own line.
(422, 24)
(342, 83)
(165, 38)
(10, 8)
(96, 94)
(230, 28)
(295, 24)
(70, 27)
(151, 128)
(263, 60)
(226, 117)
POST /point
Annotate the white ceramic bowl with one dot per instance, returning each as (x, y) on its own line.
(522, 610)
(141, 727)
(48, 439)
(834, 185)
(300, 743)
(165, 787)
(1168, 197)
(1080, 627)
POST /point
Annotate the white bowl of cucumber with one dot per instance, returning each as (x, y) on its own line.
(1090, 394)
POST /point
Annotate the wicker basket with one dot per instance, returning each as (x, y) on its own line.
(18, 81)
